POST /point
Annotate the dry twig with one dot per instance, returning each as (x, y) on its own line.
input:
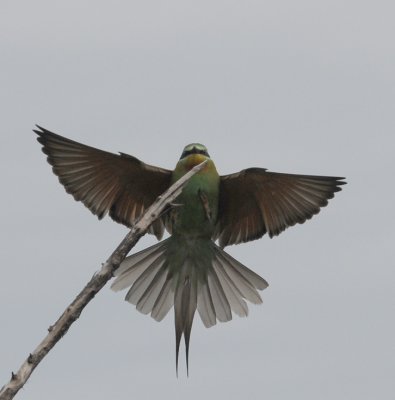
(73, 311)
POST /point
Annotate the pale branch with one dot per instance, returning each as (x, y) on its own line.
(99, 279)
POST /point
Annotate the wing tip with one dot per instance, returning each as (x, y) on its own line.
(40, 130)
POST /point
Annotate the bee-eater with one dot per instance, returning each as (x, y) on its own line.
(187, 270)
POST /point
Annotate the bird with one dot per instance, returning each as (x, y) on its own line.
(189, 270)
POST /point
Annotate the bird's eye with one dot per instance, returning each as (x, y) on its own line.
(194, 150)
(204, 152)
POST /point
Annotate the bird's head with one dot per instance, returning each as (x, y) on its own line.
(193, 154)
(195, 149)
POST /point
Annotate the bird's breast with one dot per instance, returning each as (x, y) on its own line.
(193, 160)
(197, 213)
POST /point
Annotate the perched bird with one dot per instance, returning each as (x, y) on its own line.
(187, 270)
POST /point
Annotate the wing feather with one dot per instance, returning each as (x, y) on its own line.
(255, 201)
(120, 185)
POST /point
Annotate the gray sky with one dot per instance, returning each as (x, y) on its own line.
(303, 87)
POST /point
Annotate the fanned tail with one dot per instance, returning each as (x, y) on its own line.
(192, 275)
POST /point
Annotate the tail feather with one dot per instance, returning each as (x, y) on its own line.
(205, 305)
(222, 308)
(148, 299)
(185, 306)
(189, 314)
(232, 293)
(241, 278)
(254, 279)
(133, 266)
(196, 275)
(164, 302)
(145, 281)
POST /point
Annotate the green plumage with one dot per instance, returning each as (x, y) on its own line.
(199, 199)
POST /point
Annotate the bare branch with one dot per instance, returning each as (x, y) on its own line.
(73, 311)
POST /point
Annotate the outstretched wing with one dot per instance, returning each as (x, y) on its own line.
(254, 201)
(120, 185)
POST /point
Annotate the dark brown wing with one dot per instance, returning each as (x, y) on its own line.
(120, 185)
(254, 201)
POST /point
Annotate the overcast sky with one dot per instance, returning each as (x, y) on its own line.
(293, 86)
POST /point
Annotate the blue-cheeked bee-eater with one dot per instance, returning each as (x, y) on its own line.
(187, 270)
